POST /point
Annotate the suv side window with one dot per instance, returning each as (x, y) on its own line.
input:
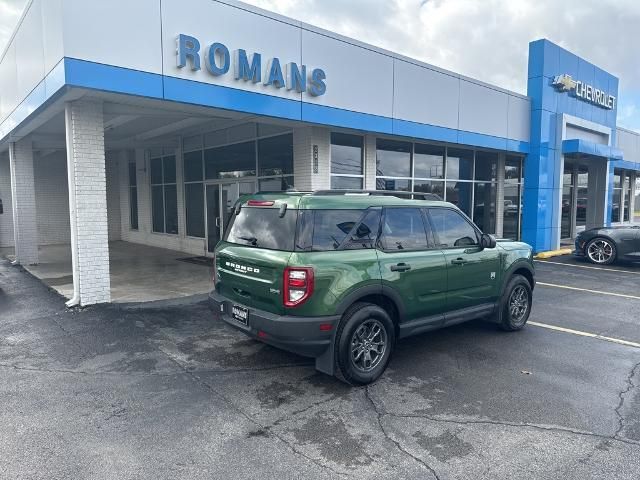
(403, 229)
(364, 235)
(452, 229)
(326, 230)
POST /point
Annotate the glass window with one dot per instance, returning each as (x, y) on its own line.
(365, 234)
(429, 186)
(169, 169)
(263, 228)
(231, 161)
(194, 207)
(513, 169)
(193, 166)
(156, 171)
(393, 184)
(133, 180)
(428, 161)
(512, 210)
(164, 196)
(617, 200)
(403, 229)
(617, 179)
(279, 184)
(393, 158)
(133, 197)
(346, 183)
(452, 229)
(484, 209)
(157, 208)
(275, 155)
(459, 164)
(486, 166)
(459, 193)
(346, 154)
(331, 227)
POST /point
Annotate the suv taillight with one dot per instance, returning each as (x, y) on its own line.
(298, 285)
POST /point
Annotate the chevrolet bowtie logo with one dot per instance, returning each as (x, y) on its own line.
(564, 83)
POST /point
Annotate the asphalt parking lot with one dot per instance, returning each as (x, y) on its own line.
(172, 393)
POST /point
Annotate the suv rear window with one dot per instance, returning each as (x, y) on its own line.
(263, 228)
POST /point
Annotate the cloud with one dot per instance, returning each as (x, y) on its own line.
(487, 39)
(10, 11)
(483, 39)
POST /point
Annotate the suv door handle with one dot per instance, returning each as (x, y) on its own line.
(400, 267)
(458, 261)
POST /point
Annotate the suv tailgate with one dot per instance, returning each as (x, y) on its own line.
(251, 276)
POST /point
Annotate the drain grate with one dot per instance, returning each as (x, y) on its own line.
(203, 261)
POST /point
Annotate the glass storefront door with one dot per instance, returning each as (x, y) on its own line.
(567, 217)
(221, 197)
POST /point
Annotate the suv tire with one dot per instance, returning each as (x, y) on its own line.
(515, 305)
(364, 343)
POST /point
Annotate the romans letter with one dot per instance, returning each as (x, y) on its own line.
(242, 68)
(188, 47)
(296, 77)
(275, 77)
(218, 51)
(318, 87)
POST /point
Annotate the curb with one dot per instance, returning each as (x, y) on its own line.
(554, 253)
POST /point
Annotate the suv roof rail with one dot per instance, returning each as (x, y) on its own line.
(388, 193)
(291, 191)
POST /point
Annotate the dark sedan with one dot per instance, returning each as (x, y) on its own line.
(605, 245)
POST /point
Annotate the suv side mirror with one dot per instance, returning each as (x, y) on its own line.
(487, 241)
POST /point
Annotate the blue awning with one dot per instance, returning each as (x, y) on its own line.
(585, 147)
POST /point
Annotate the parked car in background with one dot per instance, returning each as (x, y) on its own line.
(605, 245)
(341, 276)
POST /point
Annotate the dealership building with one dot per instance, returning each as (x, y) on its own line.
(148, 132)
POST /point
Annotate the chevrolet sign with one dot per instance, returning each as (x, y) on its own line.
(584, 91)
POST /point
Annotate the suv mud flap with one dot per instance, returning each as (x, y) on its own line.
(326, 363)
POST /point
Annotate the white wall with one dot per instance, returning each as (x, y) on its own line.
(52, 198)
(360, 77)
(629, 142)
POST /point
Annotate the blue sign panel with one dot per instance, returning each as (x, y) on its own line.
(559, 83)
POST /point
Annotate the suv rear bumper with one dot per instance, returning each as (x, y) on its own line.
(301, 335)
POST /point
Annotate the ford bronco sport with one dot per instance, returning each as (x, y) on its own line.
(341, 276)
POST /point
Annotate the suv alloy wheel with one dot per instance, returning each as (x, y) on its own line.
(364, 343)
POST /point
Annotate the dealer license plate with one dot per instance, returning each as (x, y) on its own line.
(241, 314)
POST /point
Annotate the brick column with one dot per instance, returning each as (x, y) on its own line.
(88, 201)
(25, 227)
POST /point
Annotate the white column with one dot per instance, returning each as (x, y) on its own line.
(308, 143)
(88, 201)
(632, 200)
(500, 195)
(370, 162)
(25, 227)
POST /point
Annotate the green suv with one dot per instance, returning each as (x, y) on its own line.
(341, 276)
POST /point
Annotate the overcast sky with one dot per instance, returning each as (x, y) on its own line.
(484, 39)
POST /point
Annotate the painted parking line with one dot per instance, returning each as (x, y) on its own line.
(589, 267)
(619, 341)
(599, 292)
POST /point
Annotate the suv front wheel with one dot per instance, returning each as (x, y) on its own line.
(364, 343)
(515, 305)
